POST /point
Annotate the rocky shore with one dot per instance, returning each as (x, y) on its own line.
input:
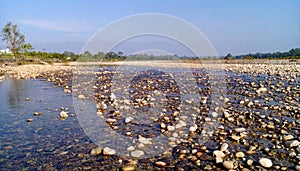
(259, 123)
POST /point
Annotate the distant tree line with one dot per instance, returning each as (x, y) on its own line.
(291, 54)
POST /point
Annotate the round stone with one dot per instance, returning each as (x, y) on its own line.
(265, 162)
(137, 153)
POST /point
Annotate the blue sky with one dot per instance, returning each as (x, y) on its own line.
(232, 26)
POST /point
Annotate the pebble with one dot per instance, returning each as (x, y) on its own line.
(29, 120)
(170, 128)
(108, 151)
(224, 147)
(288, 137)
(228, 165)
(137, 153)
(240, 155)
(219, 156)
(63, 115)
(128, 119)
(193, 128)
(96, 151)
(265, 162)
(128, 168)
(81, 97)
(292, 143)
(160, 163)
(27, 99)
(239, 129)
(130, 148)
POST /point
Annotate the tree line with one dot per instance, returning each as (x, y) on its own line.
(291, 54)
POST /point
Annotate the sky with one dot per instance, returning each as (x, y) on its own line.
(231, 26)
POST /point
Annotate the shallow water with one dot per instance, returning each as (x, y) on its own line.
(27, 145)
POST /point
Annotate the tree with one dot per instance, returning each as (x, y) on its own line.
(26, 47)
(228, 56)
(10, 33)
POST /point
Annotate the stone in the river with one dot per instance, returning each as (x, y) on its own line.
(128, 168)
(262, 90)
(137, 153)
(130, 148)
(108, 151)
(128, 119)
(27, 98)
(224, 147)
(96, 151)
(240, 155)
(219, 156)
(29, 120)
(292, 143)
(63, 115)
(160, 163)
(239, 129)
(228, 165)
(81, 97)
(288, 137)
(265, 162)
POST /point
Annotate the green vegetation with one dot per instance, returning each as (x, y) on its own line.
(291, 54)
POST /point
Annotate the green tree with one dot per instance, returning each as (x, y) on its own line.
(14, 39)
(26, 48)
(228, 56)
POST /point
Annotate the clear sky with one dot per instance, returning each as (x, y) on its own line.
(232, 26)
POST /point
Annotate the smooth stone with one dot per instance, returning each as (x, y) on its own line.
(224, 147)
(145, 140)
(265, 162)
(249, 162)
(239, 129)
(219, 155)
(63, 115)
(128, 119)
(240, 155)
(29, 120)
(137, 153)
(81, 97)
(193, 128)
(128, 168)
(27, 98)
(108, 151)
(292, 143)
(160, 163)
(96, 151)
(214, 114)
(228, 165)
(170, 128)
(130, 148)
(297, 167)
(288, 137)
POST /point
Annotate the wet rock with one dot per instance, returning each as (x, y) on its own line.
(81, 97)
(137, 153)
(63, 115)
(27, 99)
(288, 137)
(292, 143)
(265, 162)
(96, 151)
(224, 147)
(229, 165)
(240, 155)
(160, 163)
(108, 151)
(128, 119)
(29, 120)
(239, 129)
(219, 156)
(128, 168)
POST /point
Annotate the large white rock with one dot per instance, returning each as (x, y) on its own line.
(265, 162)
